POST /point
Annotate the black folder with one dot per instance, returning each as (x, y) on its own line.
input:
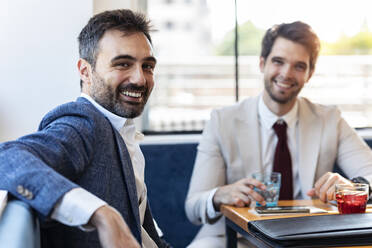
(315, 231)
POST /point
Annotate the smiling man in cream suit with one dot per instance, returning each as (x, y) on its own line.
(240, 139)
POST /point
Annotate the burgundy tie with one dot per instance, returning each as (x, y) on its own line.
(282, 161)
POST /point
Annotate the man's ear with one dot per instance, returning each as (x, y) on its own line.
(262, 64)
(85, 70)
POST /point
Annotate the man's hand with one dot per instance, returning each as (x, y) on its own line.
(324, 188)
(239, 193)
(112, 230)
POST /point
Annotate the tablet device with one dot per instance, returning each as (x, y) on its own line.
(282, 209)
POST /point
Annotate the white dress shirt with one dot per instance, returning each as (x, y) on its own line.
(73, 211)
(269, 140)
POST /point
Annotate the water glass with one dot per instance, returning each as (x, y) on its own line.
(272, 182)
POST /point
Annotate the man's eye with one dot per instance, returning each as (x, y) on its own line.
(300, 68)
(148, 67)
(278, 62)
(123, 64)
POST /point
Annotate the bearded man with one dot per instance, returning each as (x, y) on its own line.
(275, 131)
(83, 167)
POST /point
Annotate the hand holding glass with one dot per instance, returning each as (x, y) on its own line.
(351, 198)
(272, 182)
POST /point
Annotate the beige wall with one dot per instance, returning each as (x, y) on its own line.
(102, 5)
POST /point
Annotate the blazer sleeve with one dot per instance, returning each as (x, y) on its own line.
(38, 168)
(354, 155)
(209, 172)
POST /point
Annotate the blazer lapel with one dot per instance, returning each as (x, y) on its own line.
(310, 132)
(128, 174)
(248, 137)
(129, 178)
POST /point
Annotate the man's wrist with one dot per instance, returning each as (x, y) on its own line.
(76, 207)
(211, 210)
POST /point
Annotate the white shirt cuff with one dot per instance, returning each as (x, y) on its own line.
(211, 212)
(76, 207)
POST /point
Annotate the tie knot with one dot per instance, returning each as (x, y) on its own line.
(280, 128)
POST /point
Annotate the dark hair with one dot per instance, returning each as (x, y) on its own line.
(297, 32)
(123, 20)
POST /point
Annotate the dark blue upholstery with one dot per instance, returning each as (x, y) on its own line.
(168, 172)
(167, 175)
(369, 142)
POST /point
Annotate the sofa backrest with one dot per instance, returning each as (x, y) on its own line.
(19, 228)
(167, 176)
(168, 172)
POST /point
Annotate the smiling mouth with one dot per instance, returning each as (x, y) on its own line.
(132, 94)
(284, 85)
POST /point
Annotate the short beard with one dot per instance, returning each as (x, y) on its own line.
(109, 98)
(269, 90)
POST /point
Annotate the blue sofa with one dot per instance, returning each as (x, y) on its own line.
(167, 175)
(18, 226)
(168, 172)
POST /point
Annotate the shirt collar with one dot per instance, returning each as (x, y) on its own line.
(117, 121)
(268, 118)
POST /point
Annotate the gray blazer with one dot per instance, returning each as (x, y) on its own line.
(75, 145)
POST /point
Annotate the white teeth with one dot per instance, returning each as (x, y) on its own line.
(283, 85)
(132, 94)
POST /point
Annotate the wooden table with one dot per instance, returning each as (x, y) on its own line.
(237, 221)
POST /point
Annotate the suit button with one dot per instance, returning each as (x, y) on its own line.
(28, 194)
(20, 190)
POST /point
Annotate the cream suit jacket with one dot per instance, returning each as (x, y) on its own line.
(230, 149)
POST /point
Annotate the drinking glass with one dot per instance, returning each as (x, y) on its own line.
(272, 182)
(352, 198)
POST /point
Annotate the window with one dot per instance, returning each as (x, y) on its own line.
(188, 26)
(169, 1)
(169, 25)
(196, 71)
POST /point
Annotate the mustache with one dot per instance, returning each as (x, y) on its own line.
(133, 87)
(281, 79)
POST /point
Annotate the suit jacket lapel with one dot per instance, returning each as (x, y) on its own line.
(129, 178)
(248, 136)
(128, 174)
(310, 132)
